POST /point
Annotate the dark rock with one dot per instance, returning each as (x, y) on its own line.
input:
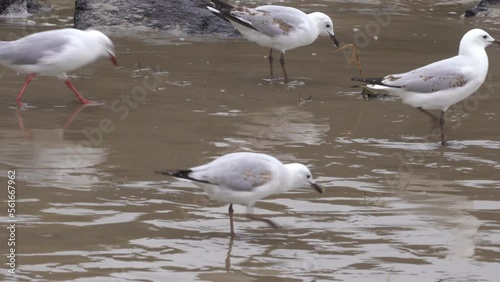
(34, 6)
(188, 16)
(29, 5)
(4, 4)
(481, 7)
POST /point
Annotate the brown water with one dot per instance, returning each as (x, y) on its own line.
(397, 207)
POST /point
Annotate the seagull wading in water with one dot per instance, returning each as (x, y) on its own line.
(244, 178)
(439, 85)
(276, 27)
(55, 52)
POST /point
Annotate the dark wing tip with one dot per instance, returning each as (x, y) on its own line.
(375, 81)
(175, 173)
(224, 11)
(181, 174)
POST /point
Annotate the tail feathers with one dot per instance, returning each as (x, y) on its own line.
(375, 81)
(175, 173)
(230, 17)
(223, 11)
(184, 174)
(217, 13)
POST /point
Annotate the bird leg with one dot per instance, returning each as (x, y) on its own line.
(271, 62)
(258, 218)
(433, 116)
(73, 116)
(78, 96)
(282, 61)
(20, 121)
(441, 123)
(231, 211)
(228, 255)
(25, 85)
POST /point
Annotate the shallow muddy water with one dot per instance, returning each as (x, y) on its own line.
(397, 207)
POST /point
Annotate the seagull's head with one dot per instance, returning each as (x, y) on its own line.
(302, 177)
(104, 45)
(325, 26)
(476, 38)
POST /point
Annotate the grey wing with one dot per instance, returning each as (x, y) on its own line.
(438, 76)
(273, 20)
(31, 49)
(240, 173)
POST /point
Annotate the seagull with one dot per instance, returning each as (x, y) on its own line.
(276, 27)
(54, 53)
(441, 84)
(244, 178)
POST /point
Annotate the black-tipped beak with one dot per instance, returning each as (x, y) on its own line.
(334, 39)
(112, 58)
(317, 187)
(496, 42)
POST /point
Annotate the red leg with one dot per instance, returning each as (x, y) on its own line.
(29, 134)
(78, 96)
(73, 116)
(21, 93)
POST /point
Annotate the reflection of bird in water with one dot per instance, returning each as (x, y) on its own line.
(44, 157)
(444, 219)
(442, 209)
(228, 256)
(281, 126)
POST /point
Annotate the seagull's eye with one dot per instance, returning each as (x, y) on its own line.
(485, 36)
(308, 176)
(328, 25)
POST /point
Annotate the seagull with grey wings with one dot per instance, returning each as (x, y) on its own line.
(441, 84)
(54, 53)
(276, 27)
(244, 178)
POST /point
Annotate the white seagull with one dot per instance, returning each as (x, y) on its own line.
(244, 178)
(55, 52)
(276, 27)
(439, 85)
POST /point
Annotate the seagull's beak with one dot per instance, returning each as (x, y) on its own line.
(334, 39)
(112, 58)
(496, 42)
(317, 187)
